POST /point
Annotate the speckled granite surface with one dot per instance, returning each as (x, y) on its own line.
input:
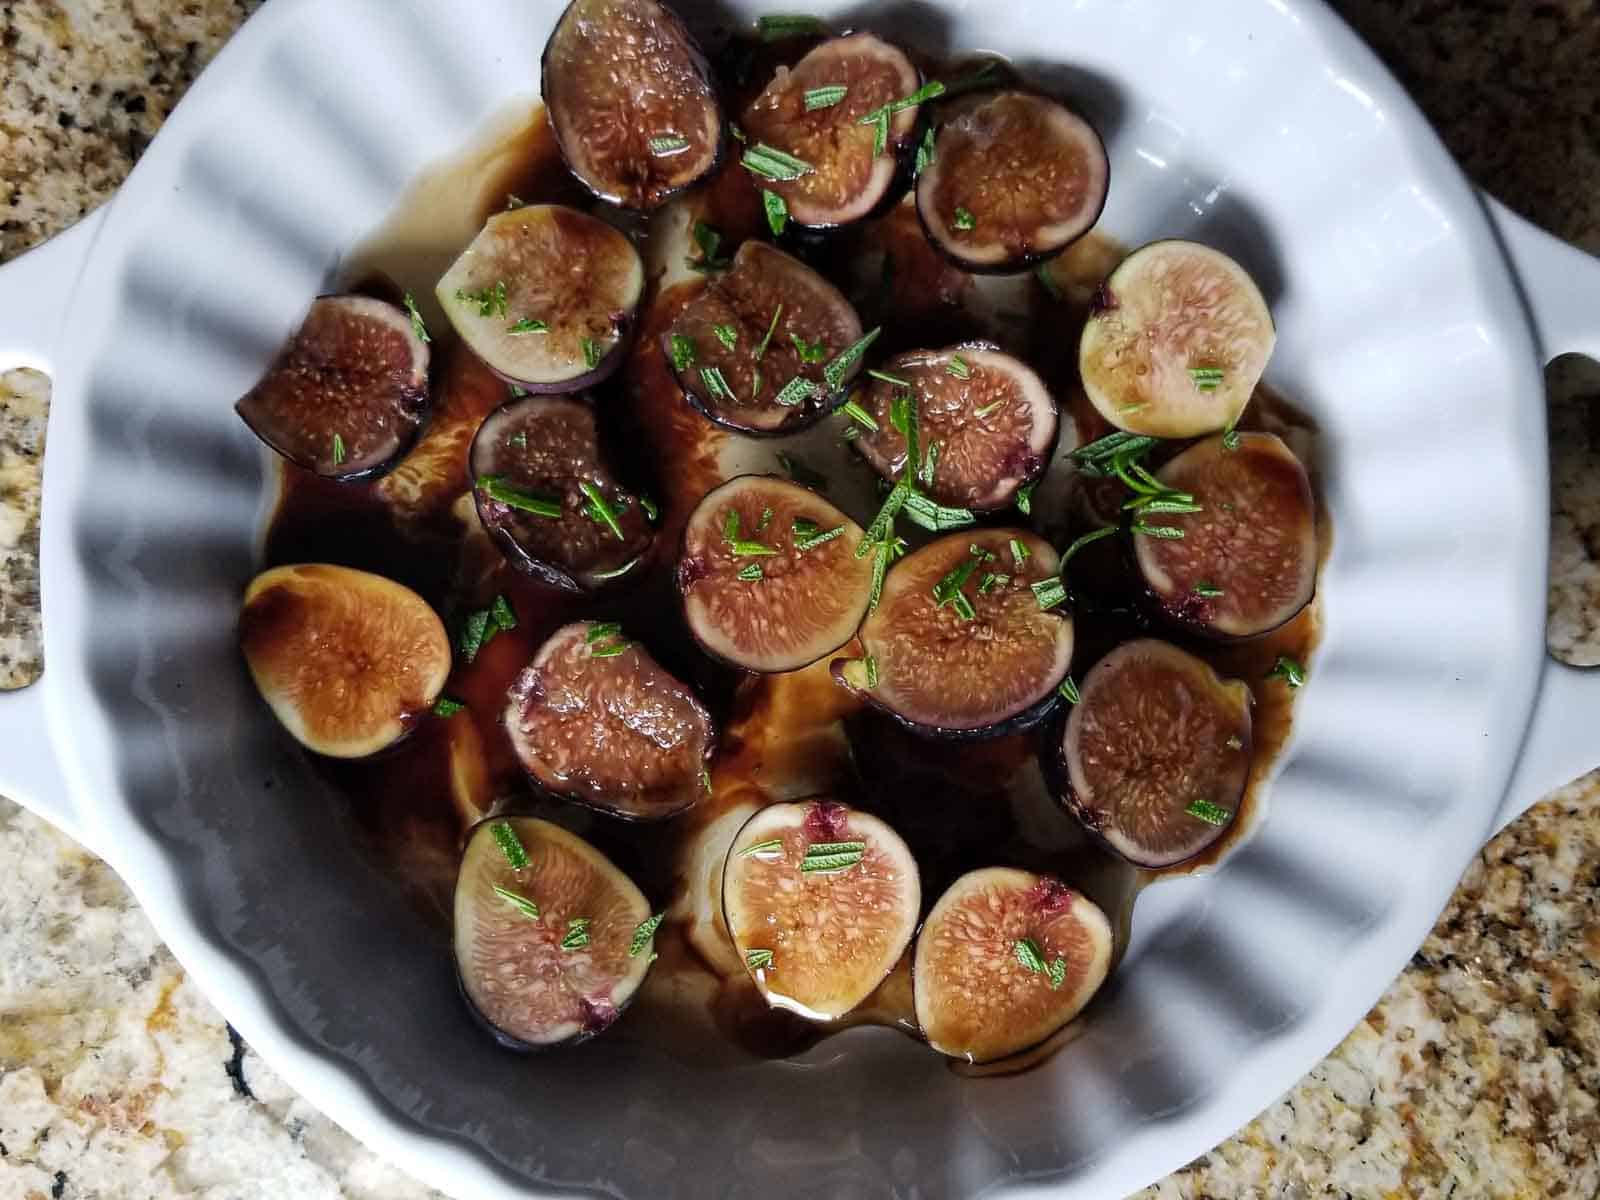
(1476, 1075)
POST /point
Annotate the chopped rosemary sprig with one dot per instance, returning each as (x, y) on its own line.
(936, 517)
(577, 935)
(870, 666)
(1207, 379)
(510, 844)
(808, 535)
(1288, 670)
(832, 856)
(417, 325)
(957, 366)
(980, 413)
(338, 451)
(1024, 499)
(716, 383)
(752, 573)
(668, 144)
(761, 348)
(772, 163)
(824, 97)
(859, 415)
(1020, 552)
(836, 370)
(446, 706)
(1211, 814)
(1087, 539)
(599, 511)
(475, 631)
(643, 932)
(601, 630)
(963, 220)
(925, 153)
(1050, 592)
(948, 590)
(895, 380)
(1029, 955)
(652, 511)
(591, 352)
(503, 614)
(797, 391)
(810, 352)
(777, 210)
(771, 848)
(758, 960)
(491, 301)
(1069, 691)
(527, 325)
(1207, 591)
(930, 463)
(496, 488)
(521, 903)
(709, 239)
(727, 335)
(879, 118)
(776, 28)
(682, 352)
(610, 649)
(1230, 436)
(1169, 533)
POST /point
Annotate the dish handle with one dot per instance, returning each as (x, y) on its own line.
(34, 290)
(1560, 286)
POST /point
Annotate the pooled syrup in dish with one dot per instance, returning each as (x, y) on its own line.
(958, 805)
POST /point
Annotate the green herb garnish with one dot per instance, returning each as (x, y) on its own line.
(652, 511)
(591, 352)
(752, 573)
(475, 631)
(618, 572)
(521, 903)
(957, 366)
(770, 848)
(988, 408)
(519, 440)
(771, 163)
(835, 371)
(888, 378)
(935, 517)
(1230, 436)
(808, 535)
(1288, 670)
(668, 144)
(797, 391)
(577, 936)
(716, 383)
(1069, 691)
(338, 451)
(599, 511)
(861, 416)
(761, 349)
(1020, 552)
(832, 856)
(491, 301)
(757, 960)
(930, 462)
(1024, 501)
(1029, 955)
(776, 28)
(609, 650)
(1207, 379)
(503, 615)
(1207, 591)
(1087, 539)
(924, 153)
(601, 630)
(776, 209)
(643, 932)
(528, 325)
(496, 488)
(809, 352)
(1050, 592)
(964, 221)
(682, 352)
(1169, 533)
(417, 325)
(1211, 814)
(727, 335)
(709, 239)
(880, 117)
(824, 97)
(510, 844)
(444, 706)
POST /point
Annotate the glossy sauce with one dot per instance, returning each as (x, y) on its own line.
(959, 806)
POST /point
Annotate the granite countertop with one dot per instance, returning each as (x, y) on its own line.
(1476, 1075)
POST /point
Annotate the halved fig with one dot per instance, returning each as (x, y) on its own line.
(546, 296)
(821, 902)
(1176, 341)
(1157, 752)
(348, 394)
(631, 101)
(1247, 562)
(991, 417)
(959, 644)
(551, 940)
(1004, 960)
(547, 497)
(1013, 180)
(348, 661)
(769, 347)
(832, 112)
(595, 719)
(769, 575)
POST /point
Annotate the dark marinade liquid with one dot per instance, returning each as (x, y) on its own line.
(958, 805)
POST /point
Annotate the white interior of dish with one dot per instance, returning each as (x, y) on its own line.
(1259, 126)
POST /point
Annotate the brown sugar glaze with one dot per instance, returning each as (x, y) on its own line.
(958, 805)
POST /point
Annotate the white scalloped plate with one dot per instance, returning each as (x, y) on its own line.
(1261, 126)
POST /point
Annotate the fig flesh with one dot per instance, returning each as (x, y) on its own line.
(348, 661)
(631, 101)
(835, 111)
(1176, 341)
(769, 347)
(546, 296)
(1006, 958)
(1157, 753)
(1247, 562)
(547, 498)
(960, 644)
(348, 394)
(551, 940)
(769, 575)
(991, 416)
(594, 718)
(1014, 180)
(821, 902)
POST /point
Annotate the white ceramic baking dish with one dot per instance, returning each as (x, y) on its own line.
(1414, 318)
